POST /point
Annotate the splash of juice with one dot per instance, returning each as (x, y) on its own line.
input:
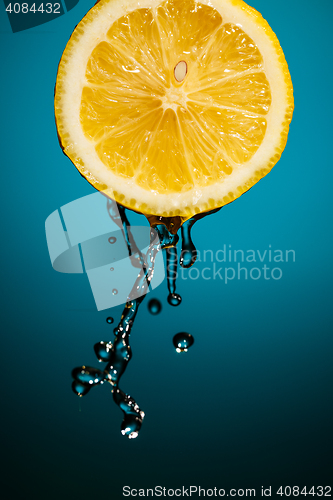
(118, 353)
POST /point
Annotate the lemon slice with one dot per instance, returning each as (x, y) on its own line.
(173, 107)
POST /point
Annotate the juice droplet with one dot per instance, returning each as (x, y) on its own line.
(114, 291)
(171, 261)
(103, 351)
(189, 253)
(80, 389)
(88, 375)
(112, 239)
(131, 426)
(154, 306)
(133, 416)
(182, 341)
(174, 299)
(109, 320)
(171, 225)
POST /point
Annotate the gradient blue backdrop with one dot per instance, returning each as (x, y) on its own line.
(251, 403)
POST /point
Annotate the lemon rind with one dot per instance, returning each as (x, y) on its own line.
(128, 194)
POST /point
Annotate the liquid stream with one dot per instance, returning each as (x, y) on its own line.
(118, 353)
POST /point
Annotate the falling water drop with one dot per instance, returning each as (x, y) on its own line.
(189, 253)
(80, 389)
(182, 341)
(174, 299)
(88, 375)
(154, 306)
(109, 320)
(131, 426)
(103, 351)
(112, 239)
(114, 291)
(133, 416)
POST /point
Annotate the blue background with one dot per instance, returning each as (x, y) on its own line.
(250, 404)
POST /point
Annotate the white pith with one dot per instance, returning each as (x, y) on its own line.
(74, 79)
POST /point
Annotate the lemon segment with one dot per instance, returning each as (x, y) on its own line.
(173, 107)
